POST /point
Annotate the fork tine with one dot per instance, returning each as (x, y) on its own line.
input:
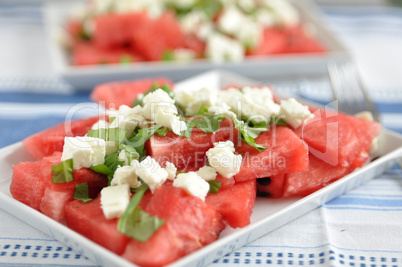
(348, 89)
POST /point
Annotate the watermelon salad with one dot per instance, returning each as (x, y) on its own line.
(125, 31)
(165, 172)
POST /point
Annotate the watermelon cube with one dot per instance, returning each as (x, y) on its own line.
(271, 186)
(115, 94)
(235, 203)
(45, 143)
(26, 184)
(285, 153)
(190, 224)
(88, 220)
(189, 153)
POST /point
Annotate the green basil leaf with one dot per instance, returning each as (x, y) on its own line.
(277, 121)
(136, 223)
(112, 162)
(81, 192)
(168, 55)
(131, 153)
(162, 131)
(63, 173)
(214, 186)
(125, 59)
(138, 139)
(110, 134)
(207, 123)
(248, 134)
(202, 110)
(102, 168)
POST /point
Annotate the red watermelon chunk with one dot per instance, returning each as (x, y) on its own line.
(155, 36)
(285, 153)
(115, 94)
(320, 174)
(271, 186)
(190, 224)
(53, 202)
(46, 142)
(338, 138)
(274, 41)
(298, 41)
(88, 220)
(116, 29)
(86, 53)
(189, 153)
(26, 184)
(236, 203)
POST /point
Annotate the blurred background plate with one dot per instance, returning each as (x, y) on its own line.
(262, 68)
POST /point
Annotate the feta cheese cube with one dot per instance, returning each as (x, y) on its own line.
(126, 175)
(101, 124)
(171, 170)
(294, 112)
(193, 184)
(114, 200)
(222, 158)
(126, 118)
(220, 48)
(151, 173)
(207, 173)
(85, 151)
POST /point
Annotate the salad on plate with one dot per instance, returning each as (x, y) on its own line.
(165, 172)
(125, 31)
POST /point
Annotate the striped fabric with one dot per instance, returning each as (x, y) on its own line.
(360, 228)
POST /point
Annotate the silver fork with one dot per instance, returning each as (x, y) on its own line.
(349, 90)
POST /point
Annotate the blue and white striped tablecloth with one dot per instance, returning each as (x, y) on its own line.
(360, 228)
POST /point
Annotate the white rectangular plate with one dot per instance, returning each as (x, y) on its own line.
(268, 214)
(261, 68)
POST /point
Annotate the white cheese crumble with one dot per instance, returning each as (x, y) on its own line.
(159, 107)
(151, 173)
(193, 101)
(126, 175)
(126, 118)
(222, 158)
(101, 124)
(193, 184)
(114, 200)
(85, 151)
(251, 102)
(294, 112)
(207, 173)
(284, 12)
(171, 170)
(235, 23)
(220, 48)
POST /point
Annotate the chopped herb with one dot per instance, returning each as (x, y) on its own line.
(81, 192)
(248, 134)
(209, 7)
(109, 167)
(168, 55)
(83, 35)
(162, 131)
(214, 186)
(131, 153)
(202, 111)
(153, 88)
(207, 123)
(63, 173)
(110, 134)
(125, 59)
(277, 121)
(138, 139)
(135, 222)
